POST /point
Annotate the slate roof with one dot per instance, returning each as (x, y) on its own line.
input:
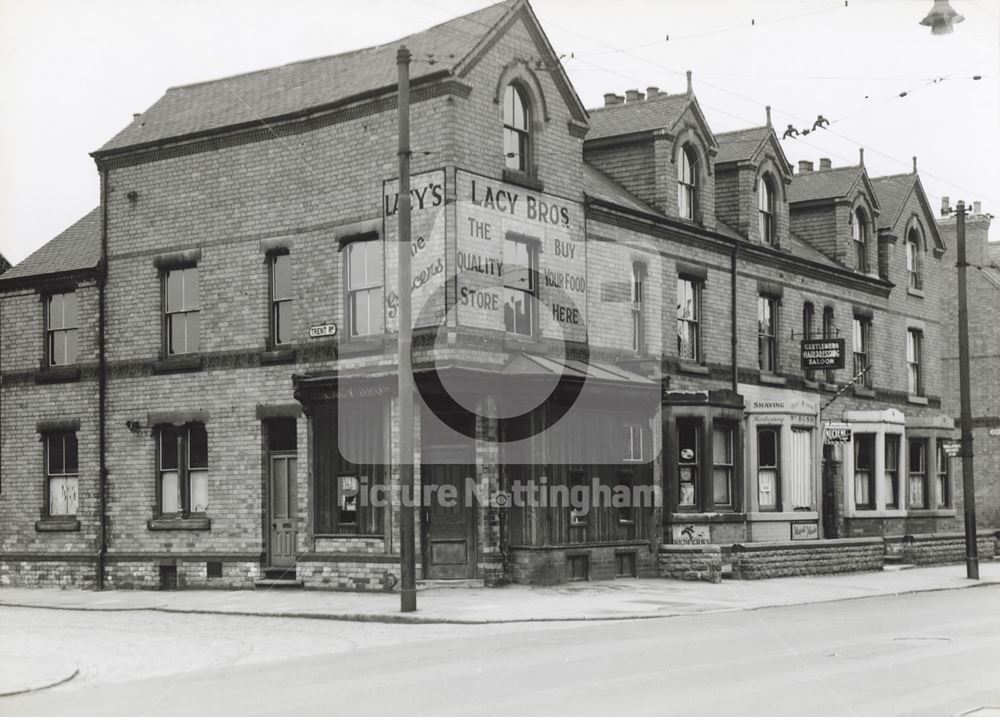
(823, 184)
(598, 185)
(299, 86)
(75, 249)
(892, 192)
(741, 144)
(802, 248)
(641, 116)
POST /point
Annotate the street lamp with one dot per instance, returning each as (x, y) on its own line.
(942, 18)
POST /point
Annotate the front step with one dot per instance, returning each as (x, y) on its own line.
(276, 584)
(280, 573)
(456, 583)
(279, 577)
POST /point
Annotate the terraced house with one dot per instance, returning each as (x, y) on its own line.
(199, 377)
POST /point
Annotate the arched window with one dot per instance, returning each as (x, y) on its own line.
(686, 183)
(860, 234)
(765, 209)
(914, 260)
(516, 129)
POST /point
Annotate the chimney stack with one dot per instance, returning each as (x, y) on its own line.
(861, 156)
(633, 96)
(136, 115)
(652, 92)
(690, 90)
(824, 163)
(610, 98)
(914, 165)
(805, 166)
(945, 206)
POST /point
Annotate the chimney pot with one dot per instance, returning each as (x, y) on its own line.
(914, 165)
(690, 89)
(652, 92)
(861, 156)
(136, 115)
(945, 206)
(805, 166)
(633, 95)
(977, 207)
(767, 111)
(824, 163)
(610, 98)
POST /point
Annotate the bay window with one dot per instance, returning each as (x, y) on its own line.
(768, 472)
(864, 471)
(918, 473)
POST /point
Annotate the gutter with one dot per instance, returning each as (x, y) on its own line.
(102, 378)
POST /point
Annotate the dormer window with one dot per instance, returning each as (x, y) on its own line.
(516, 133)
(686, 183)
(860, 235)
(914, 261)
(765, 209)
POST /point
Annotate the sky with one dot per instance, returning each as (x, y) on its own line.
(72, 74)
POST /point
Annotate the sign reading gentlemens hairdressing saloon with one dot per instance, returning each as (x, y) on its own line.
(520, 260)
(822, 354)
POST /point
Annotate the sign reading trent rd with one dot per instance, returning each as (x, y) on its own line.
(822, 354)
(322, 330)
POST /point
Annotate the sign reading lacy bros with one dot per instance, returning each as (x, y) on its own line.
(536, 228)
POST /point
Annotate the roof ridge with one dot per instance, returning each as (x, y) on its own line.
(660, 97)
(745, 129)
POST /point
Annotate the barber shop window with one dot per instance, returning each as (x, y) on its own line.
(62, 479)
(862, 351)
(918, 473)
(281, 299)
(182, 308)
(364, 288)
(61, 323)
(864, 471)
(829, 332)
(520, 273)
(914, 372)
(688, 463)
(767, 334)
(689, 319)
(516, 129)
(183, 469)
(768, 471)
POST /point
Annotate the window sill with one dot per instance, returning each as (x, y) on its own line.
(277, 356)
(702, 517)
(57, 374)
(764, 516)
(931, 513)
(61, 524)
(919, 293)
(829, 387)
(810, 384)
(193, 523)
(524, 180)
(361, 345)
(352, 536)
(177, 364)
(771, 379)
(919, 400)
(864, 392)
(692, 367)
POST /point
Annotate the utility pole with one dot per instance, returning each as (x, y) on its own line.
(407, 554)
(968, 482)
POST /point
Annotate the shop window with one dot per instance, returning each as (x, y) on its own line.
(638, 319)
(862, 350)
(689, 319)
(918, 473)
(364, 288)
(281, 299)
(943, 476)
(765, 209)
(891, 471)
(914, 260)
(768, 473)
(520, 272)
(516, 129)
(914, 369)
(829, 332)
(723, 463)
(767, 334)
(182, 308)
(686, 182)
(864, 471)
(61, 322)
(62, 480)
(688, 457)
(859, 231)
(802, 469)
(183, 469)
(625, 565)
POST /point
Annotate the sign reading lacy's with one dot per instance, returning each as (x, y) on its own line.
(520, 260)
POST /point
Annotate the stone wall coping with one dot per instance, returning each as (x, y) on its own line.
(806, 544)
(933, 537)
(697, 548)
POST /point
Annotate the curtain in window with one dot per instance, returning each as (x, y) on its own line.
(802, 469)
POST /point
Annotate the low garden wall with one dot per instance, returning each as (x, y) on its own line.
(691, 562)
(752, 561)
(941, 548)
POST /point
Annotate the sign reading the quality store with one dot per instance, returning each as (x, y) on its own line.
(520, 260)
(822, 354)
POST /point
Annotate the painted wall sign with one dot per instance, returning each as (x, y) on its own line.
(834, 433)
(427, 248)
(995, 432)
(952, 448)
(322, 330)
(690, 534)
(822, 354)
(805, 531)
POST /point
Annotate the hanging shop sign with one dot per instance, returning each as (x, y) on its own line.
(834, 433)
(822, 354)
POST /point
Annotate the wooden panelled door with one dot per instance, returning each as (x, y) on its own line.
(448, 530)
(281, 506)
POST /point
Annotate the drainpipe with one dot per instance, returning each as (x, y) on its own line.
(732, 308)
(102, 383)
